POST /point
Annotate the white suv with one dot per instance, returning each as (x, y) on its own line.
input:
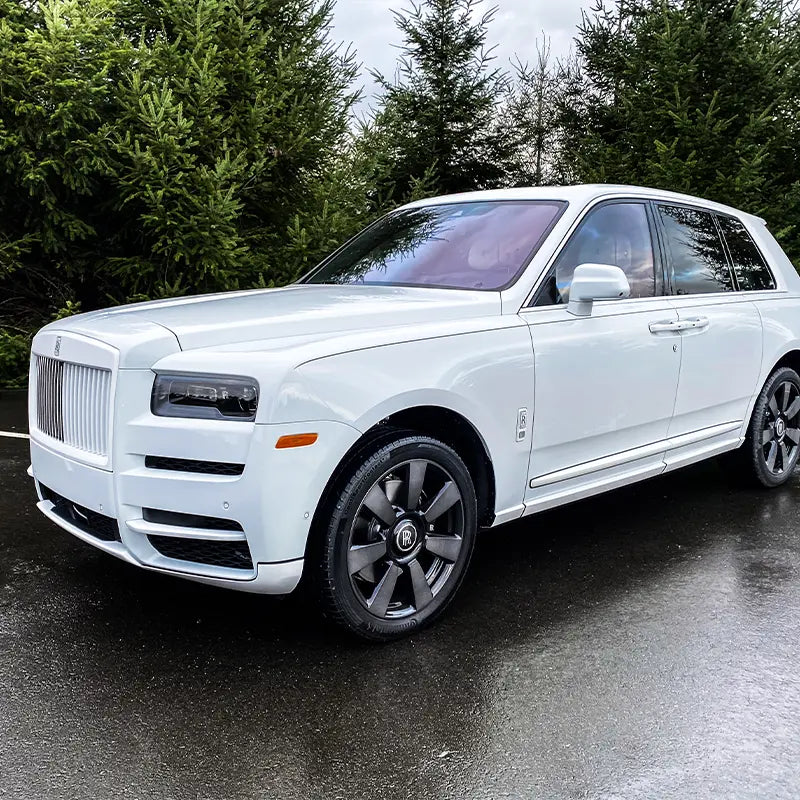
(463, 362)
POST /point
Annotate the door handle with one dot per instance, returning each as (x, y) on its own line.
(696, 322)
(676, 325)
(666, 326)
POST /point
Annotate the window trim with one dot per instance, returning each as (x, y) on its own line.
(659, 267)
(764, 261)
(726, 250)
(563, 206)
(670, 267)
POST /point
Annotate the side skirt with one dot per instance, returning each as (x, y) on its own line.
(612, 472)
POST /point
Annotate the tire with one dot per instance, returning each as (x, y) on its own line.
(772, 444)
(394, 540)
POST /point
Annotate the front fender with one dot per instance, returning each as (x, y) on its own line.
(486, 377)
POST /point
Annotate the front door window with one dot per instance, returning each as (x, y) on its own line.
(614, 233)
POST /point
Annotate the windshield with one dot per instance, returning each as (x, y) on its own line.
(479, 245)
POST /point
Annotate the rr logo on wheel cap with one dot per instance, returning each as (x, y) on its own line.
(405, 536)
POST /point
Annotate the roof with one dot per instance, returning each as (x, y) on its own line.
(579, 194)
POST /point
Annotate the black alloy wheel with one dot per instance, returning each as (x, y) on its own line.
(780, 434)
(399, 538)
(772, 444)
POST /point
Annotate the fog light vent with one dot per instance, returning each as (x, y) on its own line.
(233, 555)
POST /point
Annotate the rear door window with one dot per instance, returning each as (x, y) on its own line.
(752, 273)
(699, 262)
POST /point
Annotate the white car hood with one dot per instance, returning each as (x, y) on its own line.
(299, 310)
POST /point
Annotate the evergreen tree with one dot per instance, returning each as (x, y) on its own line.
(436, 121)
(58, 65)
(695, 96)
(154, 147)
(228, 125)
(530, 117)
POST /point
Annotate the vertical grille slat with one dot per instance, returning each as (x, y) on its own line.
(72, 403)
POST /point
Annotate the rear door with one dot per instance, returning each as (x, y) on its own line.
(720, 332)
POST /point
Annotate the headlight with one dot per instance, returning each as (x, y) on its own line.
(204, 397)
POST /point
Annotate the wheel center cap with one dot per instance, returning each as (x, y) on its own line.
(405, 536)
(780, 428)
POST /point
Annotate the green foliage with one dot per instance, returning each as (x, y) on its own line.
(152, 148)
(530, 118)
(14, 355)
(436, 123)
(695, 96)
(155, 147)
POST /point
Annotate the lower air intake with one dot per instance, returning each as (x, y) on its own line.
(189, 465)
(234, 555)
(98, 525)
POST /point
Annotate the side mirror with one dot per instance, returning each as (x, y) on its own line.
(592, 282)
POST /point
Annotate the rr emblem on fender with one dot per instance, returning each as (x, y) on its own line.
(522, 424)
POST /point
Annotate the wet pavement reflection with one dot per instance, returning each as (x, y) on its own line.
(642, 644)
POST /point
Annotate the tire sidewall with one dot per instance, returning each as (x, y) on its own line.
(351, 611)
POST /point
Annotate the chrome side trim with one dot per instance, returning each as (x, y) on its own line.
(617, 459)
(159, 529)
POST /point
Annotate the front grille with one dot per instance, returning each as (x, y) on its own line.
(188, 465)
(97, 525)
(234, 555)
(73, 403)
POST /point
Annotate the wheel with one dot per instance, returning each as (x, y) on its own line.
(397, 538)
(771, 449)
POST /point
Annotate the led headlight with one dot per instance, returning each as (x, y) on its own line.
(204, 397)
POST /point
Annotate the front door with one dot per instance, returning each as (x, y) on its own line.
(605, 384)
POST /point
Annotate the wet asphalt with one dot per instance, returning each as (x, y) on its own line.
(644, 644)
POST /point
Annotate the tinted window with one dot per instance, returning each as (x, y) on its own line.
(616, 234)
(698, 258)
(481, 245)
(751, 271)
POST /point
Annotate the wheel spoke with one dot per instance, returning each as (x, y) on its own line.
(793, 434)
(793, 409)
(378, 503)
(773, 406)
(786, 390)
(422, 592)
(767, 435)
(772, 456)
(448, 496)
(382, 595)
(446, 547)
(362, 556)
(784, 457)
(393, 487)
(416, 477)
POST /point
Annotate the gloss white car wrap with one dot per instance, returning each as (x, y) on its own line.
(563, 406)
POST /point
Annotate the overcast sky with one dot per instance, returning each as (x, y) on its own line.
(369, 25)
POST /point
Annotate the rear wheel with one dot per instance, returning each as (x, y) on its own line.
(397, 538)
(772, 445)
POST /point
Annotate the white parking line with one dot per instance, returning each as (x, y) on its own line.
(12, 435)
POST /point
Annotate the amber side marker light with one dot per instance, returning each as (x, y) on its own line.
(296, 440)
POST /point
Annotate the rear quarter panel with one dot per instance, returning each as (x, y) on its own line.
(780, 319)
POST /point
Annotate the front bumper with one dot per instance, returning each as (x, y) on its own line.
(272, 502)
(92, 488)
(280, 578)
(153, 484)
